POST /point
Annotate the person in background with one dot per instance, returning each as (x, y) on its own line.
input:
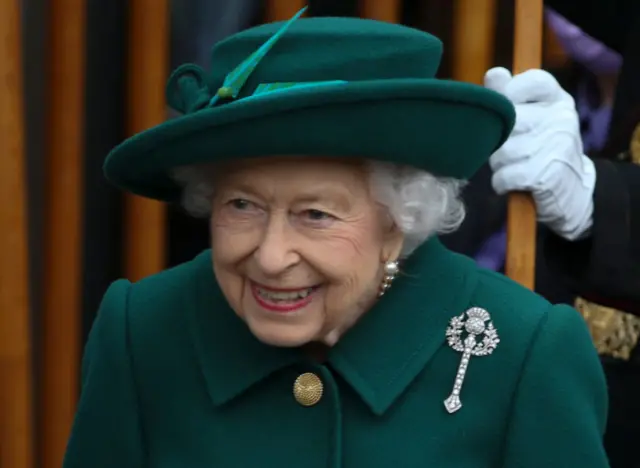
(591, 78)
(591, 205)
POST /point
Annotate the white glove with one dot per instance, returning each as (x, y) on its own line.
(544, 154)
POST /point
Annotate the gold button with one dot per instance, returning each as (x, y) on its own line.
(307, 389)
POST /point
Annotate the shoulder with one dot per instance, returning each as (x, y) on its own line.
(172, 284)
(108, 336)
(546, 365)
(507, 298)
(153, 308)
(524, 319)
(509, 304)
(159, 306)
(542, 346)
(168, 287)
(533, 332)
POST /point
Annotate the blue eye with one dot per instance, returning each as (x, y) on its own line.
(317, 215)
(240, 204)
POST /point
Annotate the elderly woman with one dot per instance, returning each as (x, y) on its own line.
(327, 326)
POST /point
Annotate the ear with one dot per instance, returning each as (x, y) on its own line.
(393, 242)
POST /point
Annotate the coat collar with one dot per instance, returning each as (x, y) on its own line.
(379, 357)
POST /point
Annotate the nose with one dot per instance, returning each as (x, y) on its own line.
(276, 254)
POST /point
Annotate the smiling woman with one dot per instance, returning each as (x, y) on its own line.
(326, 326)
(300, 233)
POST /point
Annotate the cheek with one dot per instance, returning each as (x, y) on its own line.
(233, 241)
(230, 246)
(351, 255)
(356, 239)
(354, 264)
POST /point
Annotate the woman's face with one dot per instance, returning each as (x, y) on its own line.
(299, 246)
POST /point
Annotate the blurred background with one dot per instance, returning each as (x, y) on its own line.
(78, 77)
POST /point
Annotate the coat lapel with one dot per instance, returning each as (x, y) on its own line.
(395, 340)
(379, 357)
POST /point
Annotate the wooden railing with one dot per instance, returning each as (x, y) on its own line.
(148, 69)
(521, 213)
(145, 221)
(62, 285)
(16, 390)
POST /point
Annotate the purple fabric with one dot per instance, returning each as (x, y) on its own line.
(583, 48)
(594, 119)
(492, 253)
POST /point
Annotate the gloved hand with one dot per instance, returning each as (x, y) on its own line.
(544, 154)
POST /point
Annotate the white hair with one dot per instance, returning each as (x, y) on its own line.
(421, 204)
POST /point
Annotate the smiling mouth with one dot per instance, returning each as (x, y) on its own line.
(288, 300)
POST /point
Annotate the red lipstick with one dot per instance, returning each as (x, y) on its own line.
(281, 306)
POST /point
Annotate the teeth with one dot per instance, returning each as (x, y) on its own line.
(284, 296)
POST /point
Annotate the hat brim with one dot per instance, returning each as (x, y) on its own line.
(447, 128)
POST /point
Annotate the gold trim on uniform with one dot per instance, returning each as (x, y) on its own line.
(634, 147)
(615, 333)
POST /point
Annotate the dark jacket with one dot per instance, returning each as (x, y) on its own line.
(606, 268)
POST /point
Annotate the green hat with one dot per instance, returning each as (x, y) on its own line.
(317, 87)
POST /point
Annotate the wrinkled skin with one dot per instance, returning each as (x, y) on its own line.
(284, 223)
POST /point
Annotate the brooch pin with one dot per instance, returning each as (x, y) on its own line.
(481, 340)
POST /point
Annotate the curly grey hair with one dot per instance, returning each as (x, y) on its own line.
(421, 204)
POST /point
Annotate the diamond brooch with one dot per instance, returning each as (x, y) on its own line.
(474, 335)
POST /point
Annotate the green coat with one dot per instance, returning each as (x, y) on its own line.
(173, 379)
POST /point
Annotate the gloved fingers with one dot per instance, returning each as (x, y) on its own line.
(529, 117)
(534, 86)
(516, 177)
(516, 149)
(496, 79)
(537, 118)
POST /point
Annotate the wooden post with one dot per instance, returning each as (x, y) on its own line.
(148, 70)
(382, 10)
(280, 10)
(61, 319)
(521, 224)
(16, 437)
(474, 25)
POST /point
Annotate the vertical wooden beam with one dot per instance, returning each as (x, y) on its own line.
(61, 320)
(382, 10)
(148, 62)
(521, 216)
(16, 438)
(280, 10)
(474, 38)
(527, 41)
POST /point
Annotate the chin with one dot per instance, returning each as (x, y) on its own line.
(283, 337)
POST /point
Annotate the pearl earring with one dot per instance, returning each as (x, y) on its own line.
(391, 269)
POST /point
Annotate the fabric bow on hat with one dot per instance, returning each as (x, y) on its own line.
(188, 90)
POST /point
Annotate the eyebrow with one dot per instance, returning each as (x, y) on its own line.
(337, 199)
